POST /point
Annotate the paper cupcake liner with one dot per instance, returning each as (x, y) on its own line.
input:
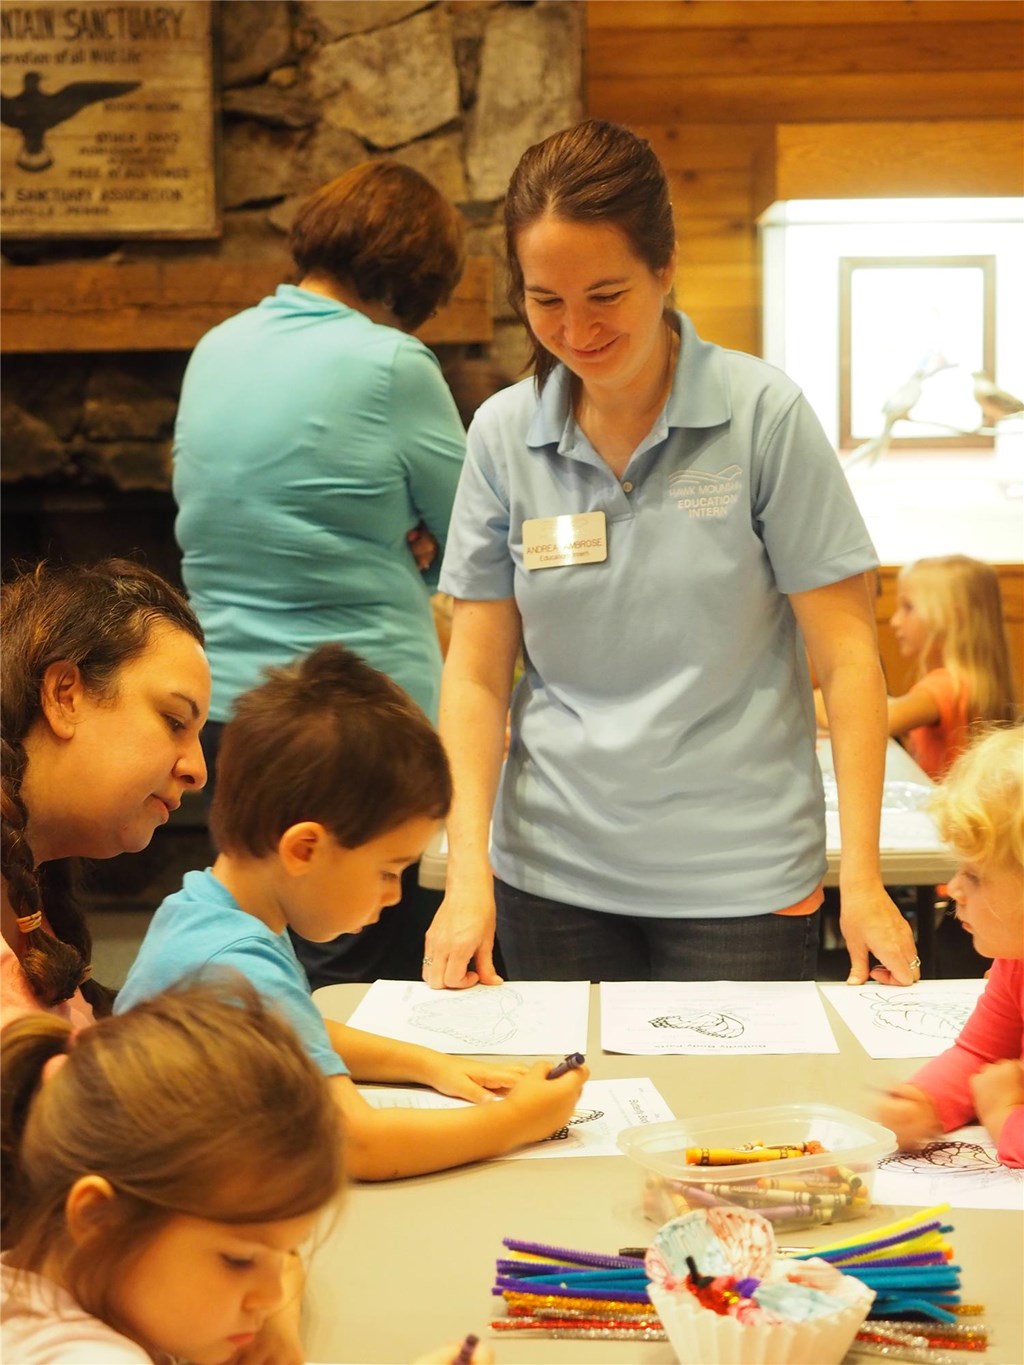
(700, 1336)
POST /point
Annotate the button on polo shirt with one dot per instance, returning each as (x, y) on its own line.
(662, 760)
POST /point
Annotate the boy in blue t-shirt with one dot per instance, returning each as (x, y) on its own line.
(330, 782)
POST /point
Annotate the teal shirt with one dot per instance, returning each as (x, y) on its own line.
(309, 441)
(203, 928)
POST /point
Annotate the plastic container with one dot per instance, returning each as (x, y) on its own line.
(796, 1192)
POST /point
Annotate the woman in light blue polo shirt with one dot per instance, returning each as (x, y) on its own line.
(661, 526)
(314, 434)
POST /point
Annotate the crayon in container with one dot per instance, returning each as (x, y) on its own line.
(755, 1159)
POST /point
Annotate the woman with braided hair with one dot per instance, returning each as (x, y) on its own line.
(105, 688)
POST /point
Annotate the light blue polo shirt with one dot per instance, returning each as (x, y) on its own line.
(202, 925)
(662, 759)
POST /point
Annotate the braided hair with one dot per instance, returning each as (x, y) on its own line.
(98, 617)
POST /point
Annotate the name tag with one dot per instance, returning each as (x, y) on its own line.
(551, 542)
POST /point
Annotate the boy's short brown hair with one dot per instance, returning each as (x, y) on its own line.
(329, 739)
(386, 230)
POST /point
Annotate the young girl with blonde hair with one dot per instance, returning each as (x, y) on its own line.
(980, 813)
(949, 618)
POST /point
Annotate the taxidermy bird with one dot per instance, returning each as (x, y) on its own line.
(995, 403)
(33, 113)
(896, 408)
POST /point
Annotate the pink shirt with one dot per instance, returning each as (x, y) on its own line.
(16, 997)
(993, 1033)
(934, 747)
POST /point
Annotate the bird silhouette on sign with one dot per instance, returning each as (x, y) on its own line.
(995, 403)
(897, 408)
(33, 113)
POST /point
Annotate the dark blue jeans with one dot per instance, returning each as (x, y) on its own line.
(545, 940)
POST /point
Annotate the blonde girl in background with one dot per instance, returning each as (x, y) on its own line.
(980, 813)
(949, 621)
(160, 1172)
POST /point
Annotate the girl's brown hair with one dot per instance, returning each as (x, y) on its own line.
(98, 617)
(385, 229)
(958, 600)
(329, 739)
(594, 172)
(200, 1101)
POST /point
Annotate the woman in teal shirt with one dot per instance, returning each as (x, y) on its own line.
(317, 451)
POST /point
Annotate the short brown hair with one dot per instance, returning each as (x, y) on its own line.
(329, 739)
(99, 617)
(594, 172)
(384, 228)
(201, 1101)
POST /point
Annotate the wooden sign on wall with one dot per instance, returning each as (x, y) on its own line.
(107, 120)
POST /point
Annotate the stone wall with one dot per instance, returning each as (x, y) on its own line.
(310, 87)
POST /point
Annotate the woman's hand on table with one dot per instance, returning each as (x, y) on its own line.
(462, 932)
(466, 1079)
(423, 547)
(911, 1115)
(870, 923)
(997, 1089)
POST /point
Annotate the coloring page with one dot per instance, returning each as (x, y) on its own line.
(700, 1017)
(604, 1109)
(905, 1021)
(960, 1169)
(517, 1019)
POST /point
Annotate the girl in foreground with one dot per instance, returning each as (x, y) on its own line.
(980, 814)
(160, 1171)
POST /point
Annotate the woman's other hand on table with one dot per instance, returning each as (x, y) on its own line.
(462, 932)
(871, 923)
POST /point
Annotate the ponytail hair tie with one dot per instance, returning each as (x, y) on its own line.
(86, 974)
(29, 923)
(51, 1066)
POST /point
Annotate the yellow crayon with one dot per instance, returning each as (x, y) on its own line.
(725, 1156)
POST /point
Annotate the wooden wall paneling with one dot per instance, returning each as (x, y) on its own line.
(652, 53)
(684, 14)
(883, 159)
(168, 305)
(798, 98)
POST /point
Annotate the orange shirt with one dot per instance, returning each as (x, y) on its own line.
(934, 747)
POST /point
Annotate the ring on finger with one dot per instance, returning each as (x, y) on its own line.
(428, 962)
(914, 963)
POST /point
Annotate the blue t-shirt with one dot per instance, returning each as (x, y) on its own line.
(662, 759)
(309, 441)
(201, 926)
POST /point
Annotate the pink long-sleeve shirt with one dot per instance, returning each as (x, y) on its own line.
(993, 1033)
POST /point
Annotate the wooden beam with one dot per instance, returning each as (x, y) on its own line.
(169, 305)
(814, 50)
(933, 158)
(745, 14)
(795, 98)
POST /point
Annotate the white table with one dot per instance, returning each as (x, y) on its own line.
(409, 1265)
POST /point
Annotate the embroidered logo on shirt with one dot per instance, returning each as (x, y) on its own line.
(701, 493)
